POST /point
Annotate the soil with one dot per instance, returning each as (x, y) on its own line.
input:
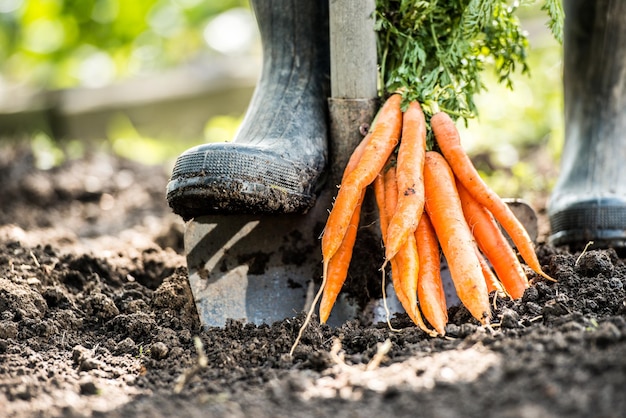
(97, 319)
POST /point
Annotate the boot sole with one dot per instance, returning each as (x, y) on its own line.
(601, 221)
(213, 180)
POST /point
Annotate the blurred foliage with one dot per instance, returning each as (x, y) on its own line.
(64, 43)
(126, 141)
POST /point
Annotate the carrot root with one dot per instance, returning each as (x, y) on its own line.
(384, 137)
(427, 201)
(493, 244)
(409, 177)
(446, 214)
(449, 142)
(430, 290)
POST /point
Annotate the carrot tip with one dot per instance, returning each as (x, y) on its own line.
(546, 276)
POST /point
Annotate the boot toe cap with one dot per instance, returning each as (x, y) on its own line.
(235, 178)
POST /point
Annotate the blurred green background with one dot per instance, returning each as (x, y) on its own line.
(73, 59)
(149, 77)
(66, 43)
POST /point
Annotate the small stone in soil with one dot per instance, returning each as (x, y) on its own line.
(510, 319)
(88, 387)
(8, 329)
(126, 346)
(159, 351)
(530, 295)
(594, 262)
(89, 364)
(607, 333)
(80, 353)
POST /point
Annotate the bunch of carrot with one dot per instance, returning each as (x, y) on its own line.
(428, 201)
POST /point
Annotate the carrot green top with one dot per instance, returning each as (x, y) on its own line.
(436, 50)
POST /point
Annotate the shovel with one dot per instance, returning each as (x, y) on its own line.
(263, 268)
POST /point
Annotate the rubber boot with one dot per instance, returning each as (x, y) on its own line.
(589, 199)
(276, 161)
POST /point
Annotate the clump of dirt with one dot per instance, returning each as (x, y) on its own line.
(97, 319)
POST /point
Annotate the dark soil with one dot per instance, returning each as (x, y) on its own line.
(97, 319)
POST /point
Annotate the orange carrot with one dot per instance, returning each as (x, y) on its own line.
(408, 269)
(338, 267)
(402, 266)
(493, 284)
(356, 156)
(340, 262)
(397, 265)
(493, 244)
(449, 142)
(380, 196)
(429, 285)
(409, 173)
(384, 137)
(446, 214)
(391, 192)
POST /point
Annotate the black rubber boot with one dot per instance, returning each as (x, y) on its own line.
(589, 199)
(275, 162)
